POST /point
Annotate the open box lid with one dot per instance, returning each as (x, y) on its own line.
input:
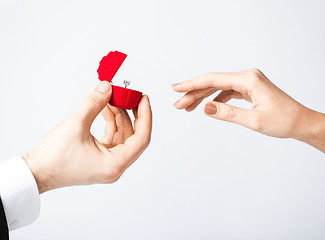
(109, 65)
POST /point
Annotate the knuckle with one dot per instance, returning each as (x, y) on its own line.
(206, 80)
(255, 71)
(210, 76)
(257, 123)
(190, 97)
(111, 174)
(115, 179)
(95, 99)
(254, 74)
(227, 112)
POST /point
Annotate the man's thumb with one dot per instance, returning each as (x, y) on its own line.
(228, 113)
(94, 103)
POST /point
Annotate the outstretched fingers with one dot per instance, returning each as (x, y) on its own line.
(195, 96)
(219, 81)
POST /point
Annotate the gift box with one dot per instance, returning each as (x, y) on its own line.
(121, 97)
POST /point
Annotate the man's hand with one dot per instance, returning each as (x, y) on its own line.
(273, 112)
(69, 154)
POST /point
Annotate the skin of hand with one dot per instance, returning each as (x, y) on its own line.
(69, 154)
(273, 112)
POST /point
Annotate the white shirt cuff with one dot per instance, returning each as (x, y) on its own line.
(18, 192)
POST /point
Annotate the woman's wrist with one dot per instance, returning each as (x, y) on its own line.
(311, 128)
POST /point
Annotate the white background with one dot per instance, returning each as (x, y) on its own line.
(200, 178)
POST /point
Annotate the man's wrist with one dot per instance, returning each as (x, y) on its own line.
(38, 174)
(19, 192)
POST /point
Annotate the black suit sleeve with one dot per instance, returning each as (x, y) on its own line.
(3, 224)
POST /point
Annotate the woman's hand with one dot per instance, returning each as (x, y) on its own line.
(69, 154)
(273, 112)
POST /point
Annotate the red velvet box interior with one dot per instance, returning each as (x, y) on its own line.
(121, 97)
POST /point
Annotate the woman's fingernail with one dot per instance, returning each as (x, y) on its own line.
(103, 87)
(210, 109)
(174, 85)
(176, 103)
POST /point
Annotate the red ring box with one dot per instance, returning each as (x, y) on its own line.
(121, 97)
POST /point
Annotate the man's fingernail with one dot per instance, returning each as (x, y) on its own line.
(147, 97)
(210, 109)
(103, 87)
